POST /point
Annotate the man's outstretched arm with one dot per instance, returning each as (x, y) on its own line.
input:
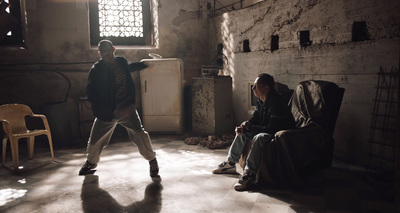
(137, 66)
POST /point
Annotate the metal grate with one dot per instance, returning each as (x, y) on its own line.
(383, 128)
(222, 6)
(120, 18)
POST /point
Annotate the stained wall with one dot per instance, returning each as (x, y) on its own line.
(57, 40)
(332, 55)
(56, 36)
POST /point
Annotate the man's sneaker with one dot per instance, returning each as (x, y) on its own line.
(87, 168)
(246, 181)
(226, 168)
(154, 170)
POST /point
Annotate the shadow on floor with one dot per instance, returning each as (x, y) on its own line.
(94, 198)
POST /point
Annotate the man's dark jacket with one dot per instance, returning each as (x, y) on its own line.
(100, 86)
(271, 116)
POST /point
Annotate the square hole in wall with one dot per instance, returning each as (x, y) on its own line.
(220, 47)
(305, 38)
(246, 46)
(359, 31)
(274, 43)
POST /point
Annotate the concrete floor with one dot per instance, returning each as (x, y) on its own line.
(122, 184)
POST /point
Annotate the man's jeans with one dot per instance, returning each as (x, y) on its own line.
(253, 160)
(102, 131)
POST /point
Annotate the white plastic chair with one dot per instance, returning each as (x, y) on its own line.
(12, 117)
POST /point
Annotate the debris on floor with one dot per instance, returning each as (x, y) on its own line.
(211, 141)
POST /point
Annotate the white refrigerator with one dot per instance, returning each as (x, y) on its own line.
(162, 95)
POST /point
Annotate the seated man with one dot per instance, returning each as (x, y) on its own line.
(271, 115)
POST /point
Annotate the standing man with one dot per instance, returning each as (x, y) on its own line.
(111, 92)
(271, 115)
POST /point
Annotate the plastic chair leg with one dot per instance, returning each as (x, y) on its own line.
(3, 160)
(31, 145)
(14, 151)
(51, 146)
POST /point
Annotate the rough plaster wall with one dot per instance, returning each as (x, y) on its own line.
(183, 29)
(37, 88)
(58, 31)
(57, 38)
(332, 55)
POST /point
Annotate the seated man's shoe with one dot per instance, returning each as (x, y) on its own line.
(246, 181)
(155, 177)
(226, 168)
(87, 168)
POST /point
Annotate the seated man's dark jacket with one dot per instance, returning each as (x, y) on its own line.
(271, 116)
(100, 86)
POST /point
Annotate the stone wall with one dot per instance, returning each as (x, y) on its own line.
(57, 40)
(331, 54)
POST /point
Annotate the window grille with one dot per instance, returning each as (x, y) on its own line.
(124, 22)
(120, 19)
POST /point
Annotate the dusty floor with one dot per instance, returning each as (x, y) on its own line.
(122, 184)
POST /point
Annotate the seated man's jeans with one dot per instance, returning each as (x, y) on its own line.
(254, 157)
